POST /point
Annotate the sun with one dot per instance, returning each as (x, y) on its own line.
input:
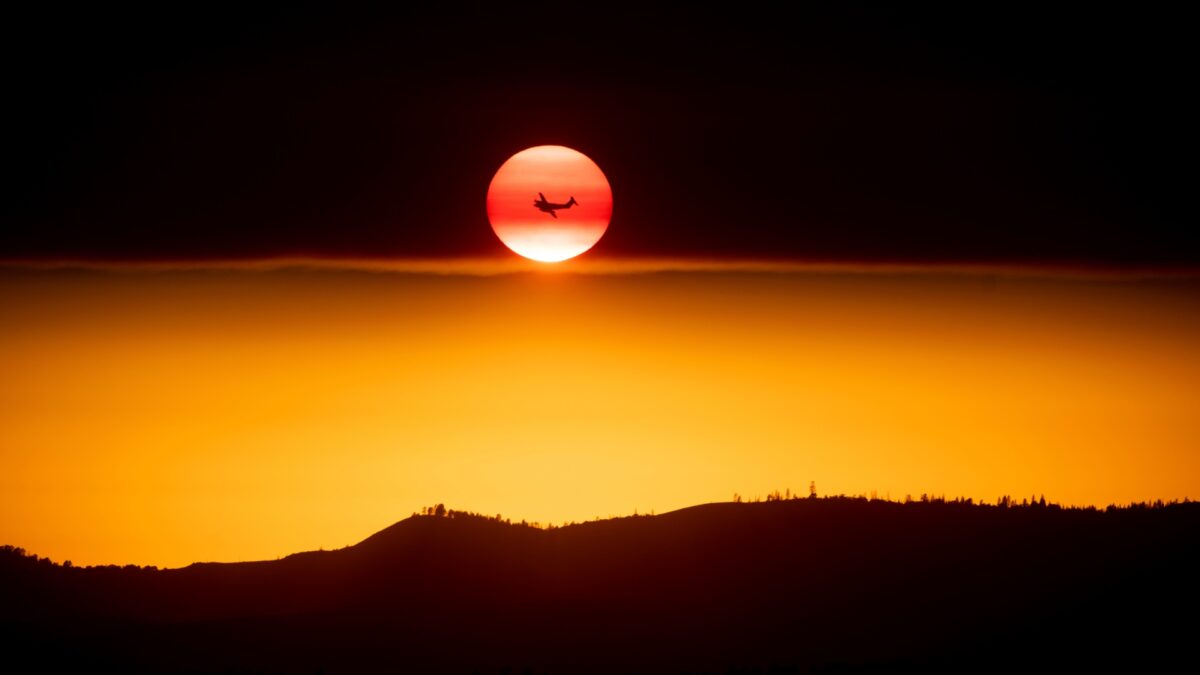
(549, 203)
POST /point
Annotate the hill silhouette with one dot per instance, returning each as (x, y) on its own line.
(783, 586)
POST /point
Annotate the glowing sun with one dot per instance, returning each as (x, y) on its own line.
(549, 203)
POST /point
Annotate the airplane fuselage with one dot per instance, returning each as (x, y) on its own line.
(550, 207)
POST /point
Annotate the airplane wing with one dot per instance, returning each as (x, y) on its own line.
(551, 212)
(541, 196)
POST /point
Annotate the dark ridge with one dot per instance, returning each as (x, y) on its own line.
(784, 586)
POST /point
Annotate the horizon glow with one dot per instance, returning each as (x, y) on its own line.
(168, 417)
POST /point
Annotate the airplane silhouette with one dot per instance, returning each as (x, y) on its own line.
(547, 207)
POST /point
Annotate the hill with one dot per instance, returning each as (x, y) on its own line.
(807, 585)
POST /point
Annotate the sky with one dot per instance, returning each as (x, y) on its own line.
(251, 302)
(982, 133)
(164, 417)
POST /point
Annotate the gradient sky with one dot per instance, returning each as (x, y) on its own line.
(167, 417)
(980, 132)
(907, 250)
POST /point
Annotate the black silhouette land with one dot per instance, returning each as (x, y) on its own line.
(786, 585)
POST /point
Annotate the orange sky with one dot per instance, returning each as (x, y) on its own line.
(172, 416)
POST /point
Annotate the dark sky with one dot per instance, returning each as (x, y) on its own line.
(980, 134)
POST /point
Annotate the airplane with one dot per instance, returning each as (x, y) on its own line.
(547, 207)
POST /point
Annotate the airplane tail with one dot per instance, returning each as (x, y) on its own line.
(572, 202)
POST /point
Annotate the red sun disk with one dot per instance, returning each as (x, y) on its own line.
(559, 173)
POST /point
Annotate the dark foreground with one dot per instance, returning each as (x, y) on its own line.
(812, 585)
